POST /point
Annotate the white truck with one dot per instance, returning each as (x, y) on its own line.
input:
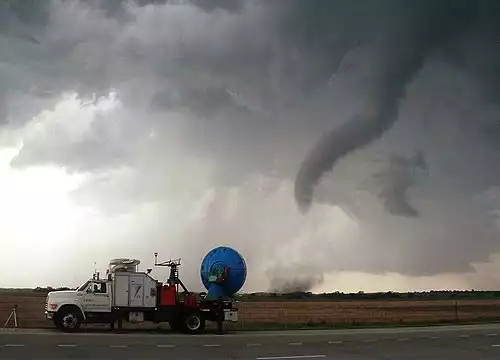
(133, 296)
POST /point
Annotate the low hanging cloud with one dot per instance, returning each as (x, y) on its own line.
(396, 180)
(295, 278)
(207, 109)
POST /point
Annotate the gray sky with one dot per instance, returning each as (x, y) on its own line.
(175, 126)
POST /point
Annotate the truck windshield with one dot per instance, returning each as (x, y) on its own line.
(84, 286)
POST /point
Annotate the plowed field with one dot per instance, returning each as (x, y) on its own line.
(31, 311)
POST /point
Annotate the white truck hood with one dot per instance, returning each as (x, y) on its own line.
(63, 293)
(55, 299)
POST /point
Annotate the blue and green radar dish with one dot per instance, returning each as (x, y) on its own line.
(223, 272)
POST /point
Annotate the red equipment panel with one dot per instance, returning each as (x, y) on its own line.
(191, 301)
(168, 295)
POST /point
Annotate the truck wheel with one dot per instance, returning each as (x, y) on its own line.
(194, 323)
(69, 320)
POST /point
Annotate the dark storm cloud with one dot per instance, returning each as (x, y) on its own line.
(395, 182)
(405, 44)
(235, 91)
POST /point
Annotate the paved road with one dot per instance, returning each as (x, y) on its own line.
(450, 342)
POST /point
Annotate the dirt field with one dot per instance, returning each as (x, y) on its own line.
(31, 311)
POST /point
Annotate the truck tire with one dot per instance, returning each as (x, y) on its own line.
(193, 323)
(69, 319)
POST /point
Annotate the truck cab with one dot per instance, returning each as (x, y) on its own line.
(68, 309)
(97, 296)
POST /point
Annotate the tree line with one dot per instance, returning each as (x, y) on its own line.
(360, 295)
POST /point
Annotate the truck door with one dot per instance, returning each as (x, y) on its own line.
(97, 298)
(136, 292)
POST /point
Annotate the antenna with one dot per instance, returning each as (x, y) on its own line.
(174, 271)
(96, 274)
(169, 263)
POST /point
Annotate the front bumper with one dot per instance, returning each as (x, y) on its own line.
(49, 315)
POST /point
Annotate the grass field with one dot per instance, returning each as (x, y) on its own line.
(304, 313)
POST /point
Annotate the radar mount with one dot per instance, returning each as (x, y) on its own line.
(173, 279)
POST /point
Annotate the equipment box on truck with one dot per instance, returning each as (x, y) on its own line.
(134, 290)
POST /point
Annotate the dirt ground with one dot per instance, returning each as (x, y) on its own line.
(31, 311)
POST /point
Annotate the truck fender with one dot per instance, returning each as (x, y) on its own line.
(73, 304)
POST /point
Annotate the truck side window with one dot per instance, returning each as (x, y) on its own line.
(103, 288)
(100, 288)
